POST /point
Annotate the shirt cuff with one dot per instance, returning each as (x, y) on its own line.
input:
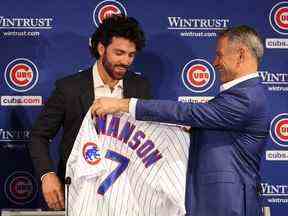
(132, 107)
(42, 177)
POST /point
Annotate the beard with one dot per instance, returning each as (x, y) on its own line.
(111, 68)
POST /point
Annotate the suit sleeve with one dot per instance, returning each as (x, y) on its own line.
(228, 110)
(44, 130)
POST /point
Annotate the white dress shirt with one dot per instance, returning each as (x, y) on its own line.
(234, 82)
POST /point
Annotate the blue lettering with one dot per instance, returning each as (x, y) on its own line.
(135, 142)
(152, 158)
(101, 125)
(126, 132)
(143, 150)
(113, 127)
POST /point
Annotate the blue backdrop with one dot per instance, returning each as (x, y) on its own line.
(41, 41)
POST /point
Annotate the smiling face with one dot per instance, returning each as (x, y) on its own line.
(226, 60)
(117, 57)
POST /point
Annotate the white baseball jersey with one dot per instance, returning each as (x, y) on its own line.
(127, 168)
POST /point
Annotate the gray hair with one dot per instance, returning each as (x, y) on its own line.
(245, 35)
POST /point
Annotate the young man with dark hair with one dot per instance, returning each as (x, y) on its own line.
(114, 44)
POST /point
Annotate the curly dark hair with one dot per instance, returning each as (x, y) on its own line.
(117, 26)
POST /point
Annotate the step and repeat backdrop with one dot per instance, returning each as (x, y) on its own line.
(42, 41)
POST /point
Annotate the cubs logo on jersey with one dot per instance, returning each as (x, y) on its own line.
(91, 153)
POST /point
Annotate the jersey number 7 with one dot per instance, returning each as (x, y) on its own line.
(109, 180)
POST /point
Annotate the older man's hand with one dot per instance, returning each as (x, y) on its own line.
(107, 105)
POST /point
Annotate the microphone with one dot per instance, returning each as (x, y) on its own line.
(266, 211)
(67, 180)
(67, 184)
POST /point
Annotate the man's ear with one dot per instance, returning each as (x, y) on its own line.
(241, 54)
(101, 49)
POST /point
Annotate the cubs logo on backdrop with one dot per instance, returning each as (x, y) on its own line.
(279, 129)
(198, 75)
(278, 17)
(107, 8)
(21, 75)
(91, 153)
(20, 188)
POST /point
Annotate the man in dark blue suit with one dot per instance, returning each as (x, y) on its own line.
(228, 133)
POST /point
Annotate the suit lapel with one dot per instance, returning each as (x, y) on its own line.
(87, 92)
(129, 88)
(125, 87)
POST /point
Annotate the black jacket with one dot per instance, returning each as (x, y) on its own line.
(66, 107)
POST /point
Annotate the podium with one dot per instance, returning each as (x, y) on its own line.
(32, 213)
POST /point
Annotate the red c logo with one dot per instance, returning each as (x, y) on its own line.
(198, 75)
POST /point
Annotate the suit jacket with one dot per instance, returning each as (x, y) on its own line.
(66, 107)
(227, 140)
